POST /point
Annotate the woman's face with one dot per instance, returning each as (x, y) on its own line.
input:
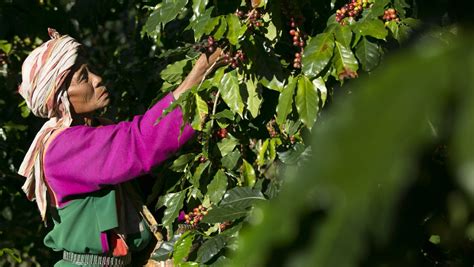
(86, 91)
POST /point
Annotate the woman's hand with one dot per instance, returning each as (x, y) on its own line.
(204, 65)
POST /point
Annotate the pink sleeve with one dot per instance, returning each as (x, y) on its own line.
(82, 159)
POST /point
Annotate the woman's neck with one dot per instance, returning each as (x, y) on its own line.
(87, 120)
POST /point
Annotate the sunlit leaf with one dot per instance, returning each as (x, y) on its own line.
(254, 99)
(317, 54)
(248, 174)
(227, 145)
(231, 92)
(230, 161)
(200, 113)
(285, 101)
(180, 163)
(242, 197)
(174, 72)
(236, 29)
(200, 25)
(182, 247)
(199, 7)
(307, 101)
(261, 153)
(345, 62)
(222, 28)
(173, 203)
(217, 187)
(321, 86)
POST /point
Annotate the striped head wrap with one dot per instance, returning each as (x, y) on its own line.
(43, 74)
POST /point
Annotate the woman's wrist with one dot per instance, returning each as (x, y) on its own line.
(197, 74)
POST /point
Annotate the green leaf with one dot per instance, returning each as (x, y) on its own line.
(200, 113)
(227, 145)
(230, 92)
(242, 197)
(12, 253)
(221, 29)
(5, 46)
(343, 34)
(230, 161)
(164, 13)
(317, 54)
(376, 10)
(201, 25)
(291, 156)
(199, 7)
(248, 174)
(307, 101)
(368, 54)
(217, 187)
(254, 99)
(211, 25)
(182, 247)
(236, 30)
(181, 162)
(234, 205)
(285, 101)
(274, 84)
(174, 72)
(272, 32)
(173, 203)
(198, 173)
(274, 143)
(369, 27)
(225, 114)
(225, 213)
(170, 9)
(393, 26)
(345, 62)
(165, 250)
(210, 248)
(217, 79)
(321, 86)
(400, 6)
(261, 153)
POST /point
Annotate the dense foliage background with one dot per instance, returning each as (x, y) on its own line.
(254, 123)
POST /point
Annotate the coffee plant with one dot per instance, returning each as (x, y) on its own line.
(290, 88)
(281, 65)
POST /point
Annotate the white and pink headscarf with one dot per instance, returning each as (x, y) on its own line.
(43, 74)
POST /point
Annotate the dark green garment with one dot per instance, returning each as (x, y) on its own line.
(78, 225)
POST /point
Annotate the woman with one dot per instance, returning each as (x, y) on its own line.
(77, 164)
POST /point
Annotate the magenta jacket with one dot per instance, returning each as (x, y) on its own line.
(83, 159)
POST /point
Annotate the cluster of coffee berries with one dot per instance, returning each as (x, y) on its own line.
(224, 225)
(271, 128)
(194, 217)
(234, 60)
(222, 133)
(389, 15)
(253, 17)
(298, 41)
(207, 46)
(352, 10)
(291, 10)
